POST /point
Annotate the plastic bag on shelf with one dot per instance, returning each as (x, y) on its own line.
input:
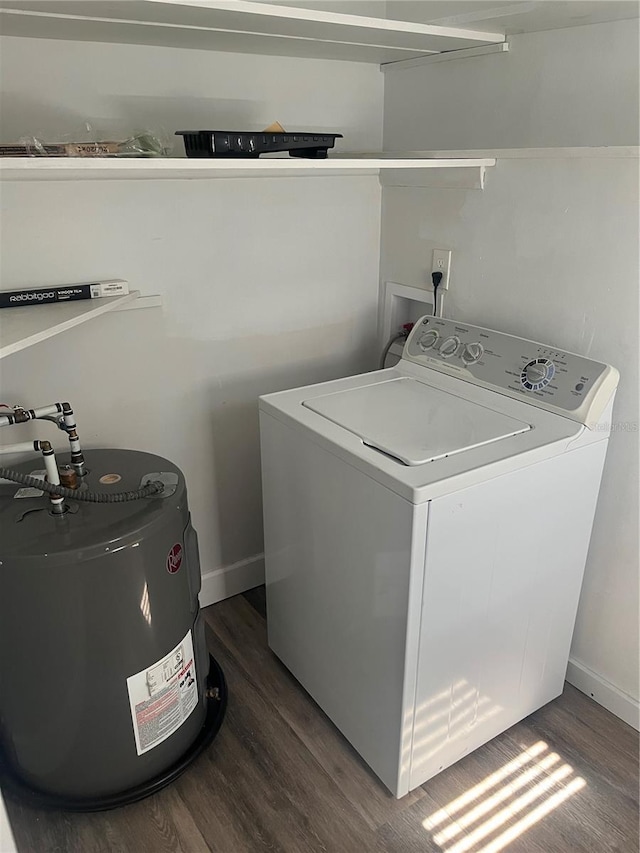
(145, 143)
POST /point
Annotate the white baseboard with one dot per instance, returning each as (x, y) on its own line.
(231, 580)
(604, 693)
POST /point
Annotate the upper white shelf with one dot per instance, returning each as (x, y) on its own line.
(23, 327)
(235, 25)
(179, 168)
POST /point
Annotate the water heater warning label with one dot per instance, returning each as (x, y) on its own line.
(163, 696)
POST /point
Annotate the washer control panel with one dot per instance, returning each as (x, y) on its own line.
(545, 376)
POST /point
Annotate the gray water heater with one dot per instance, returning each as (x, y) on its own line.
(107, 690)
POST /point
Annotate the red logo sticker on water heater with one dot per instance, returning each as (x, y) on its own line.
(174, 559)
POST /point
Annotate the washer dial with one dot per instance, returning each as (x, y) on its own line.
(472, 353)
(428, 339)
(537, 374)
(449, 346)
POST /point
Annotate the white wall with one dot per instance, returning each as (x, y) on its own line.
(549, 250)
(267, 283)
(53, 87)
(567, 87)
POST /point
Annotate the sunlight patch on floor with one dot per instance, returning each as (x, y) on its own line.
(475, 822)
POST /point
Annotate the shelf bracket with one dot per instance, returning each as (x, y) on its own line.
(445, 55)
(468, 178)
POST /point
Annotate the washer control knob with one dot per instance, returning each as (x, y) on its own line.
(428, 339)
(472, 353)
(537, 374)
(450, 346)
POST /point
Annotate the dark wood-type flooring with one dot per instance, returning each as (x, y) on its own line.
(280, 778)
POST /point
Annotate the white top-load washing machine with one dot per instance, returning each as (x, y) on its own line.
(426, 531)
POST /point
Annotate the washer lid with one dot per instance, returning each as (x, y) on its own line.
(413, 422)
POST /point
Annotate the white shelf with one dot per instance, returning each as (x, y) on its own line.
(90, 169)
(236, 25)
(23, 327)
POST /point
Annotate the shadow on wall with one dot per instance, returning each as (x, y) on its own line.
(235, 441)
(31, 117)
(122, 117)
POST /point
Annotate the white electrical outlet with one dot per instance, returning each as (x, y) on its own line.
(442, 263)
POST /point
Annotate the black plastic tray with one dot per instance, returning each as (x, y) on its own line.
(235, 143)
